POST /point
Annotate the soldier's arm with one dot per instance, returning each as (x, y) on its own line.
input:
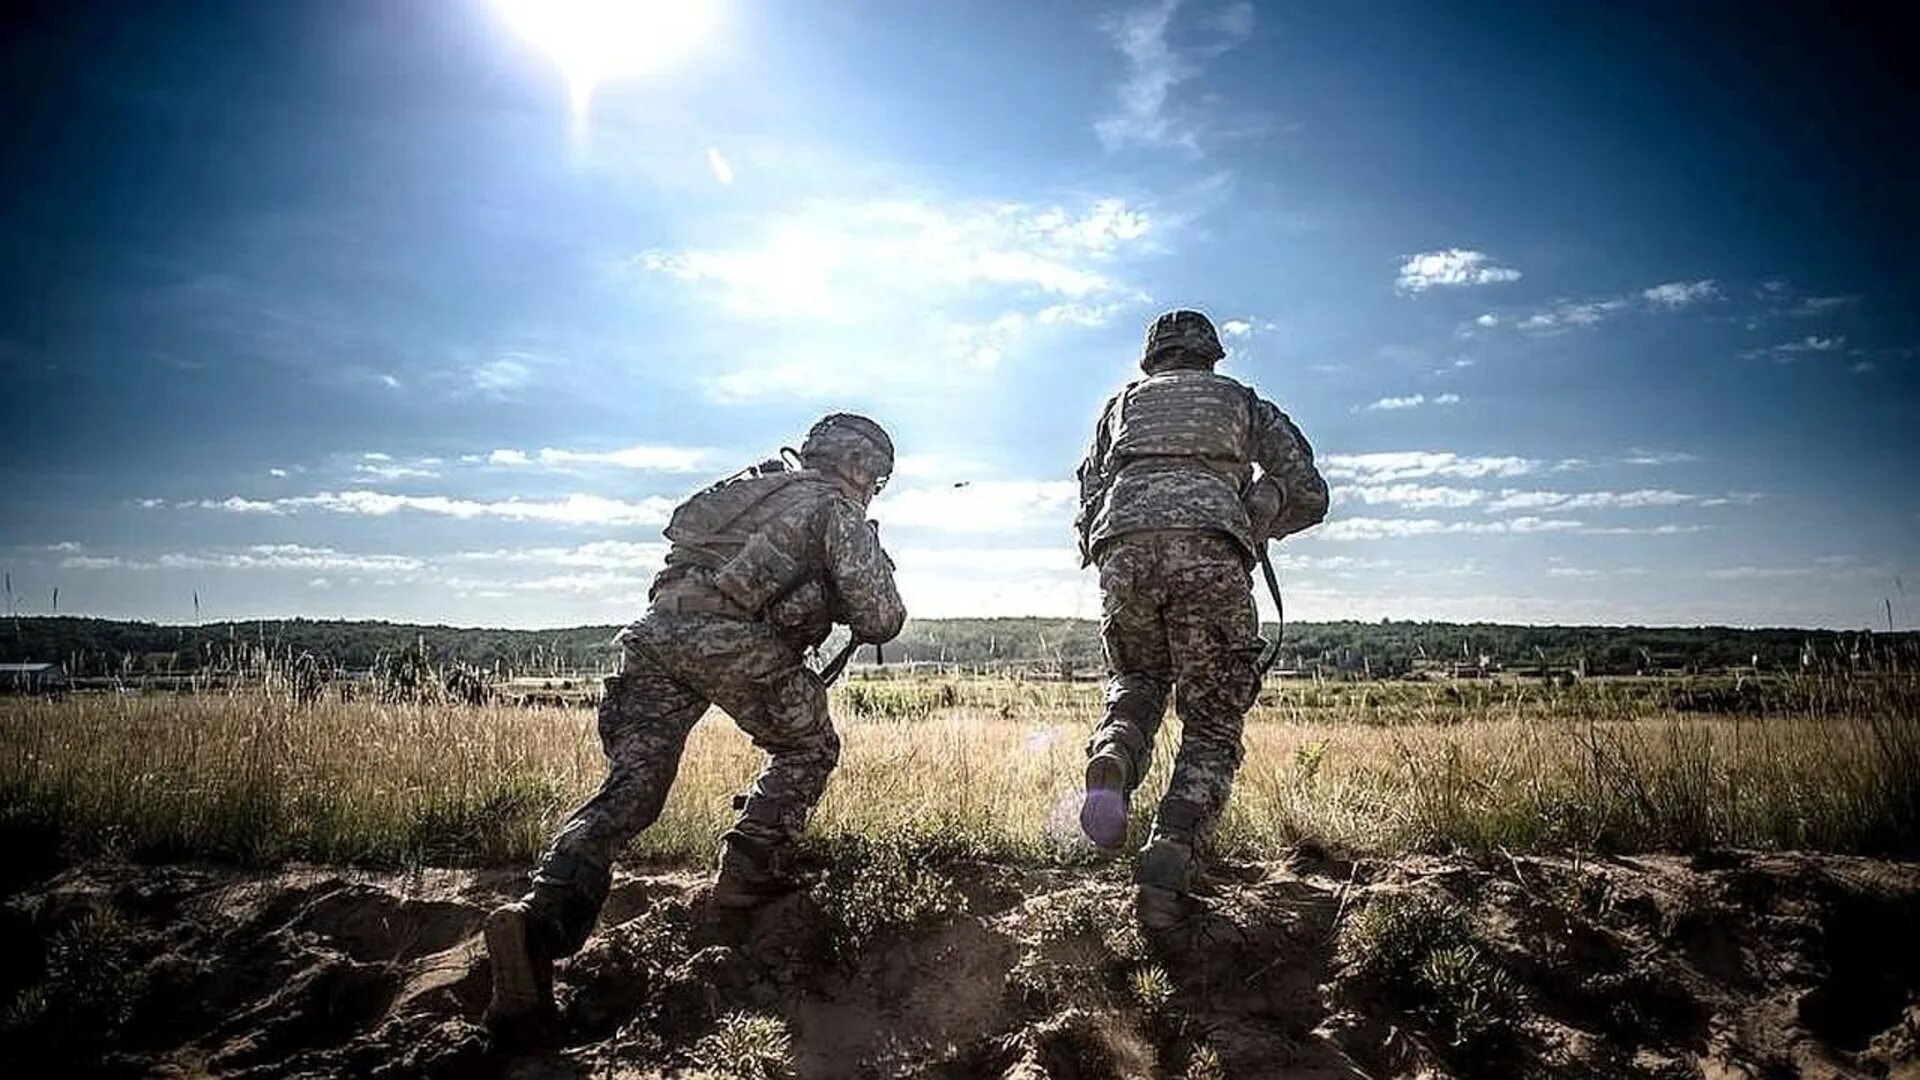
(862, 575)
(1092, 475)
(1286, 461)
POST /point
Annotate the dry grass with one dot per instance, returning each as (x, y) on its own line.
(985, 765)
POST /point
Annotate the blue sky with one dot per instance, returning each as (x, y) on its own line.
(347, 310)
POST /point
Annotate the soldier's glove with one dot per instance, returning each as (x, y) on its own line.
(1264, 502)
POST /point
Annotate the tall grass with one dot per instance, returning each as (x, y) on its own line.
(986, 765)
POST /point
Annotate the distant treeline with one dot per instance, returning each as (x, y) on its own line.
(104, 647)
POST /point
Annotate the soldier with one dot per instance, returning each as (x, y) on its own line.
(1175, 516)
(761, 566)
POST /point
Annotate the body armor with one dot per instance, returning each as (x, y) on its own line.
(1185, 413)
(737, 549)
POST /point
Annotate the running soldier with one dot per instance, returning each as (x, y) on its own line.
(761, 565)
(1175, 516)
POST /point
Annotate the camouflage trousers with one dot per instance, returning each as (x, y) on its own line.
(1177, 615)
(676, 665)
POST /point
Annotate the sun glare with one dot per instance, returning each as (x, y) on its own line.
(594, 41)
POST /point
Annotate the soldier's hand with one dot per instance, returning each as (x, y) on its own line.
(1264, 502)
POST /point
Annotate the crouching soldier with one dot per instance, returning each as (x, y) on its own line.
(1174, 514)
(761, 566)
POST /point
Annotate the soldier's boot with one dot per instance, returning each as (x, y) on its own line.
(522, 1014)
(1163, 883)
(752, 872)
(1103, 807)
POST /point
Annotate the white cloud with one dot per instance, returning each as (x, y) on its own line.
(1451, 267)
(722, 171)
(1236, 328)
(1560, 501)
(1395, 528)
(1791, 351)
(1637, 456)
(1488, 320)
(1675, 295)
(379, 470)
(599, 555)
(641, 456)
(257, 557)
(1392, 403)
(1862, 367)
(844, 259)
(501, 375)
(1145, 112)
(1392, 466)
(859, 284)
(1570, 313)
(575, 509)
(1413, 496)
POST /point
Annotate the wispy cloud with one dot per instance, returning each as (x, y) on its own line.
(1788, 352)
(1369, 528)
(1450, 268)
(502, 375)
(256, 557)
(642, 456)
(1398, 465)
(717, 163)
(967, 281)
(1675, 295)
(575, 509)
(1145, 112)
(1411, 401)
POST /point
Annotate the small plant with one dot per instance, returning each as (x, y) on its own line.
(1151, 988)
(746, 1046)
(1477, 1000)
(1204, 1064)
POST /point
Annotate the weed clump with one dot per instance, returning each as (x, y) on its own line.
(91, 980)
(745, 1046)
(874, 888)
(1422, 952)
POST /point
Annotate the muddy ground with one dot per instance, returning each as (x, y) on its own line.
(1731, 964)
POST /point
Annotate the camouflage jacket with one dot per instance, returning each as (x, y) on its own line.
(789, 547)
(1122, 491)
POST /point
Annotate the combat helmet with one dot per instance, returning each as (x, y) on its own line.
(841, 440)
(1181, 339)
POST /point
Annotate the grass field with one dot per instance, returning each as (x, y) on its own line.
(992, 766)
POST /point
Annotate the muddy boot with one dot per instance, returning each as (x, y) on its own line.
(1164, 878)
(522, 1015)
(752, 873)
(1103, 809)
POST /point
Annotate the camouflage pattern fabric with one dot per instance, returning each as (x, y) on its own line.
(677, 663)
(1178, 617)
(1124, 489)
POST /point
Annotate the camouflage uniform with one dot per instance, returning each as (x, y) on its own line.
(760, 568)
(1164, 496)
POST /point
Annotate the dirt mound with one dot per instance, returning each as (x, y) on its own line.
(1729, 965)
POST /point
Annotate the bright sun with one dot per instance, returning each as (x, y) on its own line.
(597, 40)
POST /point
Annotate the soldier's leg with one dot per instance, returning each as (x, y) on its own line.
(1140, 674)
(785, 712)
(643, 722)
(1213, 631)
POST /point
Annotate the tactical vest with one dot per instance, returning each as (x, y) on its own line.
(732, 535)
(1191, 414)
